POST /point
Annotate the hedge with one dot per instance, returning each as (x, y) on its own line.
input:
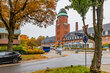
(24, 50)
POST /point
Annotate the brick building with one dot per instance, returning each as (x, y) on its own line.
(72, 39)
(62, 26)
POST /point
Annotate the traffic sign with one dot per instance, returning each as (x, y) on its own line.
(85, 39)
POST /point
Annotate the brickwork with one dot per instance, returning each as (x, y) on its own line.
(62, 28)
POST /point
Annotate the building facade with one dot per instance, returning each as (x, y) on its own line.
(75, 38)
(4, 36)
(62, 26)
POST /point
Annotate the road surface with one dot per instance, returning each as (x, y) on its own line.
(73, 59)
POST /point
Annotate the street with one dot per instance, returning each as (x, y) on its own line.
(71, 59)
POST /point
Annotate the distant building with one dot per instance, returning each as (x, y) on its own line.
(73, 39)
(4, 36)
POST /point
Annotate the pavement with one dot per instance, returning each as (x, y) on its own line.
(71, 59)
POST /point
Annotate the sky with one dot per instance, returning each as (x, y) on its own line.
(35, 31)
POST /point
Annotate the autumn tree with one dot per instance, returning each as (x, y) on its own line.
(31, 43)
(39, 39)
(16, 12)
(82, 7)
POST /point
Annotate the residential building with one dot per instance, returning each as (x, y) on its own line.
(4, 36)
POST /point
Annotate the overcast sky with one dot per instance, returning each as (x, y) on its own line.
(34, 31)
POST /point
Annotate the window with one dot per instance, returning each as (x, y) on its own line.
(103, 32)
(58, 38)
(106, 32)
(71, 38)
(58, 32)
(2, 53)
(75, 37)
(106, 39)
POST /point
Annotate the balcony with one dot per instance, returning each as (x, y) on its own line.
(4, 31)
(5, 42)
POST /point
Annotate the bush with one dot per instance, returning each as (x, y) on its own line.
(34, 51)
(19, 49)
(4, 48)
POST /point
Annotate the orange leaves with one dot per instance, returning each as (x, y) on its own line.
(24, 38)
(40, 12)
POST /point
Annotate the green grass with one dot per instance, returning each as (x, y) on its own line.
(74, 69)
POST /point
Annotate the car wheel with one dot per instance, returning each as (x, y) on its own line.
(15, 60)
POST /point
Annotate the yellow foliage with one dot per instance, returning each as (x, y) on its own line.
(34, 51)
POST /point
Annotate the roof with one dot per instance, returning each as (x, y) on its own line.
(3, 30)
(90, 30)
(62, 12)
(106, 27)
(49, 40)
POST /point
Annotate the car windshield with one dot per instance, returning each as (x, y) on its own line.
(2, 53)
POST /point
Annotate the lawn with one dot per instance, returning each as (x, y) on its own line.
(74, 69)
(33, 57)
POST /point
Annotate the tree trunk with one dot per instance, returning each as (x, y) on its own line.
(96, 62)
(10, 40)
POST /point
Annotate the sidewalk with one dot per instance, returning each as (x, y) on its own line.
(105, 67)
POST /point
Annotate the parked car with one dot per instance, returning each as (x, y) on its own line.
(8, 57)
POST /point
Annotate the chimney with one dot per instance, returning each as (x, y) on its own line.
(76, 26)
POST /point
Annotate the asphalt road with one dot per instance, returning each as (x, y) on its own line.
(73, 59)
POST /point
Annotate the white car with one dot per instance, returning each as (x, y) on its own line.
(59, 50)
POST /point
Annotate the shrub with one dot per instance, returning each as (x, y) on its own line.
(4, 48)
(19, 49)
(34, 51)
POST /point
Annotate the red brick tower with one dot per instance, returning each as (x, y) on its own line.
(62, 26)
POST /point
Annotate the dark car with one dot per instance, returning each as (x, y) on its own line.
(8, 57)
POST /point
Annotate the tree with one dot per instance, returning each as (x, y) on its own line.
(14, 12)
(82, 7)
(31, 43)
(39, 39)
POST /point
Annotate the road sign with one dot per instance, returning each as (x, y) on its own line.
(85, 39)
